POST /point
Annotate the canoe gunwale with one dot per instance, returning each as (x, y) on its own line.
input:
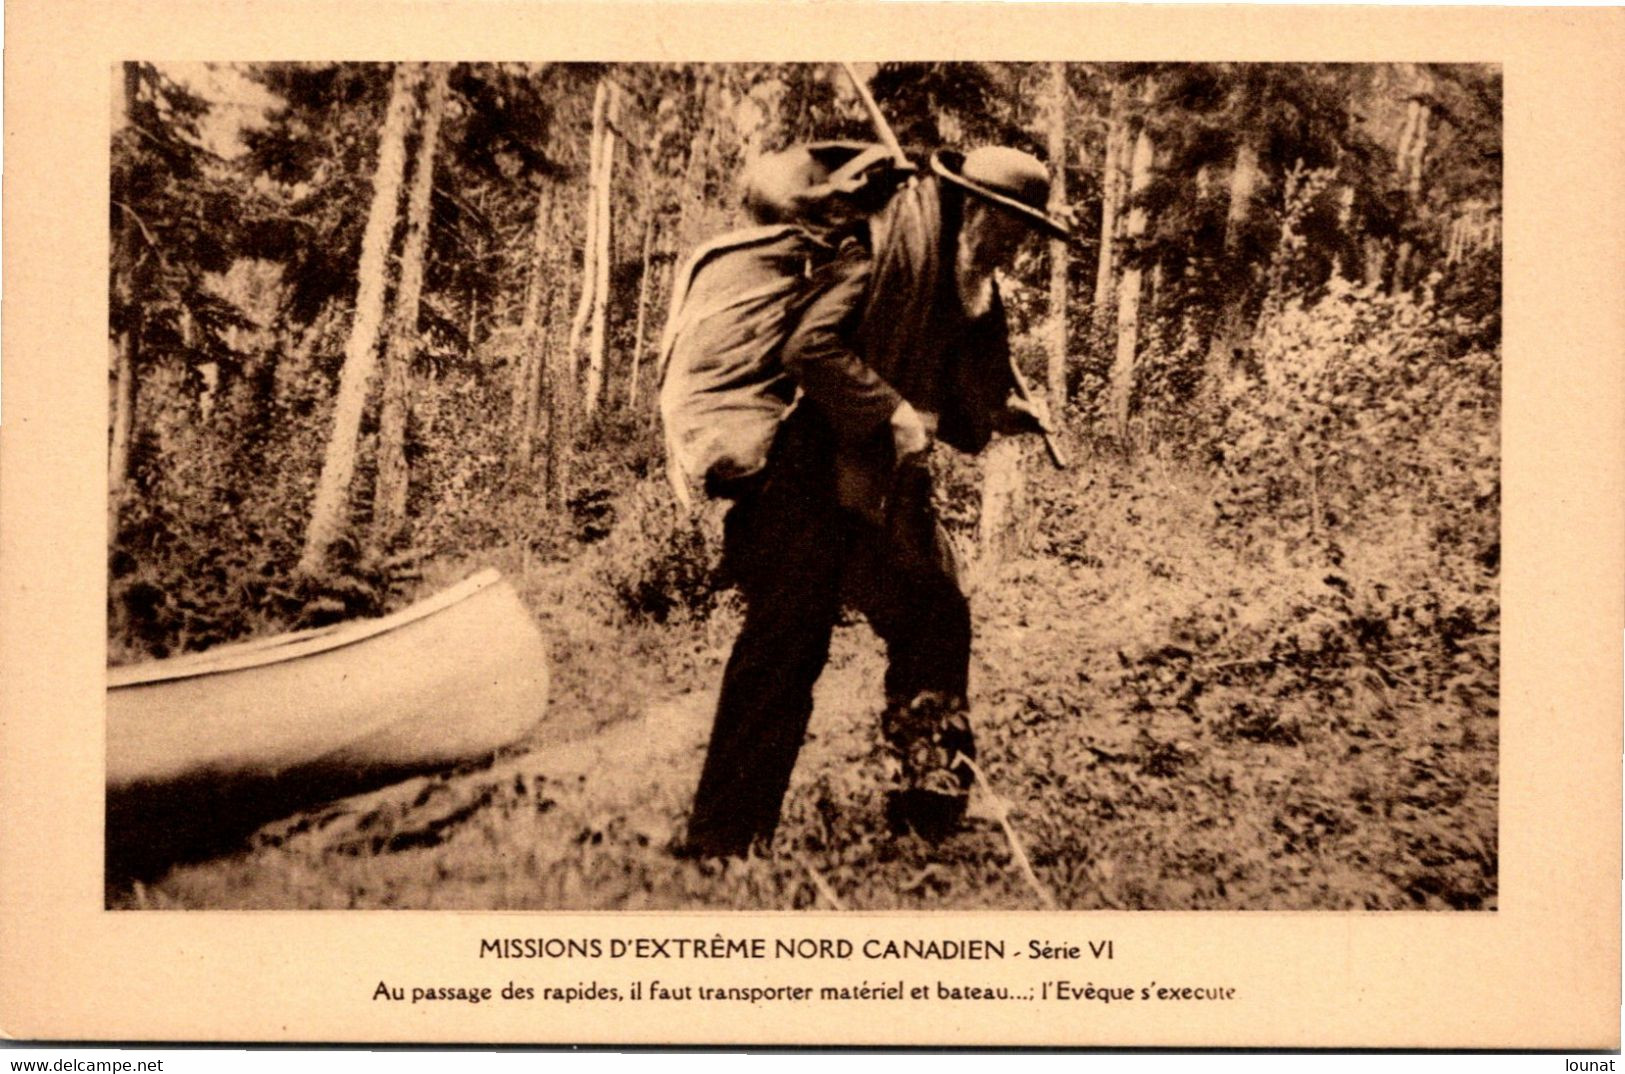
(297, 644)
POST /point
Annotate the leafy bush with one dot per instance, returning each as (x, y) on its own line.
(1166, 399)
(661, 563)
(1363, 407)
(195, 566)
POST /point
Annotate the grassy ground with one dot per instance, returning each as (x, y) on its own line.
(1174, 717)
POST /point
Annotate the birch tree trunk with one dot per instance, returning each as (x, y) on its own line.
(1243, 184)
(389, 494)
(1419, 149)
(1128, 291)
(1408, 160)
(602, 257)
(589, 244)
(1058, 263)
(1110, 203)
(643, 308)
(124, 347)
(126, 342)
(1342, 263)
(560, 372)
(330, 508)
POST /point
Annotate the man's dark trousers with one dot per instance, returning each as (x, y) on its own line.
(795, 553)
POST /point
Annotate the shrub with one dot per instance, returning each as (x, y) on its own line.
(1362, 408)
(662, 563)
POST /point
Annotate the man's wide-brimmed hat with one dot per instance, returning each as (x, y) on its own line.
(1008, 178)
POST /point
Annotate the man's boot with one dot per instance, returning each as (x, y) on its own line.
(925, 737)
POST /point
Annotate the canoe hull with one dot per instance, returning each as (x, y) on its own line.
(428, 689)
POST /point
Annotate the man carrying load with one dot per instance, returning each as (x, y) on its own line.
(900, 340)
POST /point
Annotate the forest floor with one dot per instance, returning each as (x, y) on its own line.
(1173, 721)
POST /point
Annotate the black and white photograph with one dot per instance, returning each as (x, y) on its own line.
(811, 486)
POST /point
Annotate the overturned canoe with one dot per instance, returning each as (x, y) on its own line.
(449, 679)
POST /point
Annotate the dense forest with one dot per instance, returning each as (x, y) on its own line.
(375, 325)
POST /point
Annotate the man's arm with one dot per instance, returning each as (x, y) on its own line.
(1023, 416)
(857, 401)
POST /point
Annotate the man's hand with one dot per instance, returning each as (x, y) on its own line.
(910, 435)
(1025, 416)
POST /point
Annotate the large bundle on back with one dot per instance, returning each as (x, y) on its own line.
(723, 389)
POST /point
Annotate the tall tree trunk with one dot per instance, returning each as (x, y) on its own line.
(1419, 150)
(1402, 170)
(126, 342)
(330, 508)
(389, 494)
(1243, 184)
(1376, 261)
(1402, 269)
(1128, 291)
(1402, 152)
(1411, 152)
(213, 377)
(525, 357)
(124, 347)
(536, 385)
(1409, 159)
(539, 384)
(1342, 264)
(561, 374)
(692, 196)
(602, 259)
(1058, 263)
(1230, 333)
(1110, 204)
(643, 308)
(589, 242)
(528, 378)
(559, 392)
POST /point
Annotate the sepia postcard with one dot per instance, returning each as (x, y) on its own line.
(821, 524)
